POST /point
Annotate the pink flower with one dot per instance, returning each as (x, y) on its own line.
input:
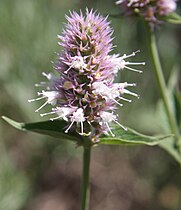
(150, 10)
(84, 93)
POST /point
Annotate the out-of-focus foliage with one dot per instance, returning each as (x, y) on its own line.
(175, 96)
(38, 172)
(15, 187)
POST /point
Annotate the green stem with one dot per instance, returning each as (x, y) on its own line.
(85, 178)
(162, 86)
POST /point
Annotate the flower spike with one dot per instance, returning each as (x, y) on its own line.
(83, 93)
(152, 11)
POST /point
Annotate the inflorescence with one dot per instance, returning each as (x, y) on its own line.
(151, 10)
(84, 94)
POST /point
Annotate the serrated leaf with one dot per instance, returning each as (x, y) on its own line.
(130, 137)
(54, 128)
(173, 18)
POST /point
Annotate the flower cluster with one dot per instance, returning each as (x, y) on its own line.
(84, 93)
(150, 10)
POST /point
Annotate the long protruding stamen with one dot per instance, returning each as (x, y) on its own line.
(131, 69)
(36, 99)
(119, 2)
(134, 63)
(82, 128)
(37, 110)
(125, 99)
(42, 84)
(131, 93)
(48, 76)
(117, 102)
(130, 55)
(66, 131)
(55, 118)
(109, 129)
(44, 114)
(68, 69)
(130, 84)
(120, 125)
(130, 3)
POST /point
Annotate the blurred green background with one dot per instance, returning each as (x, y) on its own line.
(41, 173)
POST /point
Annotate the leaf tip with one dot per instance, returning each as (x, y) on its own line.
(13, 123)
(5, 118)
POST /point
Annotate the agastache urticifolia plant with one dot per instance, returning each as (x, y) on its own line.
(84, 93)
(83, 97)
(151, 10)
(153, 13)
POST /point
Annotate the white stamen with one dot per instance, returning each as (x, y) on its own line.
(44, 114)
(78, 117)
(55, 118)
(66, 131)
(132, 2)
(119, 2)
(131, 93)
(107, 125)
(125, 99)
(130, 55)
(111, 93)
(77, 63)
(131, 69)
(106, 92)
(49, 76)
(52, 80)
(117, 102)
(106, 118)
(41, 84)
(130, 84)
(119, 63)
(36, 99)
(120, 86)
(82, 128)
(37, 110)
(120, 125)
(62, 112)
(51, 96)
(134, 63)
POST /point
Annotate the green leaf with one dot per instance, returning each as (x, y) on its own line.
(54, 128)
(169, 146)
(173, 18)
(175, 101)
(175, 95)
(130, 137)
(173, 78)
